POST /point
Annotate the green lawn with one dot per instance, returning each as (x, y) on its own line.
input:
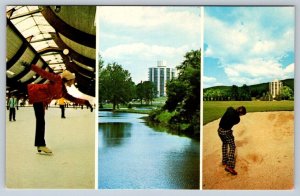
(213, 110)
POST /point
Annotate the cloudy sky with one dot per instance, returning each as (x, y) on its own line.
(136, 37)
(248, 45)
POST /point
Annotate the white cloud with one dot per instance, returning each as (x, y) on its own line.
(251, 39)
(239, 81)
(208, 52)
(250, 47)
(224, 41)
(263, 47)
(146, 52)
(209, 79)
(289, 70)
(148, 34)
(105, 36)
(138, 57)
(150, 17)
(257, 70)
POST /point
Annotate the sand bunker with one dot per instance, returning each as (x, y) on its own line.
(264, 153)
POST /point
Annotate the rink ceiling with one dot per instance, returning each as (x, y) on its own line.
(54, 38)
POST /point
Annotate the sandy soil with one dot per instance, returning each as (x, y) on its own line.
(264, 153)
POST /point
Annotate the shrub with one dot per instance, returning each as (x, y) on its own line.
(164, 117)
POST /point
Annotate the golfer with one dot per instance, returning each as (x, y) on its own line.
(230, 118)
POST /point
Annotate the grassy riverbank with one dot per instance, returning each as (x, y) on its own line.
(213, 110)
(162, 123)
(137, 107)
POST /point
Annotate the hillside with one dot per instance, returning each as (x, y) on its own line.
(263, 86)
(244, 92)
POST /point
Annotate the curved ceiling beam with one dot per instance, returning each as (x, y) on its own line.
(17, 56)
(49, 49)
(84, 77)
(22, 74)
(67, 61)
(72, 53)
(87, 89)
(78, 68)
(23, 47)
(25, 43)
(67, 30)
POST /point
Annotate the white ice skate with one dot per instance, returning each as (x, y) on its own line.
(44, 150)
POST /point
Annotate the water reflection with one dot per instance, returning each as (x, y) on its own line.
(113, 133)
(186, 173)
(135, 156)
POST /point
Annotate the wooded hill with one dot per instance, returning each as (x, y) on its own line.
(244, 92)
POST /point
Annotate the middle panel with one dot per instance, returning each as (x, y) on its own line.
(149, 97)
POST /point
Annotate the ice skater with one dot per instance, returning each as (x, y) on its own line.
(40, 95)
(230, 118)
(61, 103)
(12, 104)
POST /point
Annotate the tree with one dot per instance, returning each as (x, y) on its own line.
(176, 91)
(183, 93)
(115, 85)
(100, 66)
(235, 93)
(208, 94)
(185, 89)
(190, 75)
(149, 91)
(140, 92)
(286, 93)
(245, 94)
(145, 91)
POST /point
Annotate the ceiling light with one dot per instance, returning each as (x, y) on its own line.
(66, 51)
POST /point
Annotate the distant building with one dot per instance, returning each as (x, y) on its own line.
(159, 76)
(274, 88)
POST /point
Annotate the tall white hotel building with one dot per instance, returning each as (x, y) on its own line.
(159, 76)
(275, 88)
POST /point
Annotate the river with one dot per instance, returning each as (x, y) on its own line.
(133, 155)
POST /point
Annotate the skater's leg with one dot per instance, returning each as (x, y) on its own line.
(10, 114)
(62, 111)
(14, 113)
(40, 124)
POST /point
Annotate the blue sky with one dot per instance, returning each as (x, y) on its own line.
(248, 45)
(136, 37)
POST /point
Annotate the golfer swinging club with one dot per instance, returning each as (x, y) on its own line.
(230, 118)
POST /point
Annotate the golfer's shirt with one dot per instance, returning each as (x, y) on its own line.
(230, 118)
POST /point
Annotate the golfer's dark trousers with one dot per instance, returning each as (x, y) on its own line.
(227, 140)
(39, 112)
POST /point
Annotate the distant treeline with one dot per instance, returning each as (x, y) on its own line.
(247, 93)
